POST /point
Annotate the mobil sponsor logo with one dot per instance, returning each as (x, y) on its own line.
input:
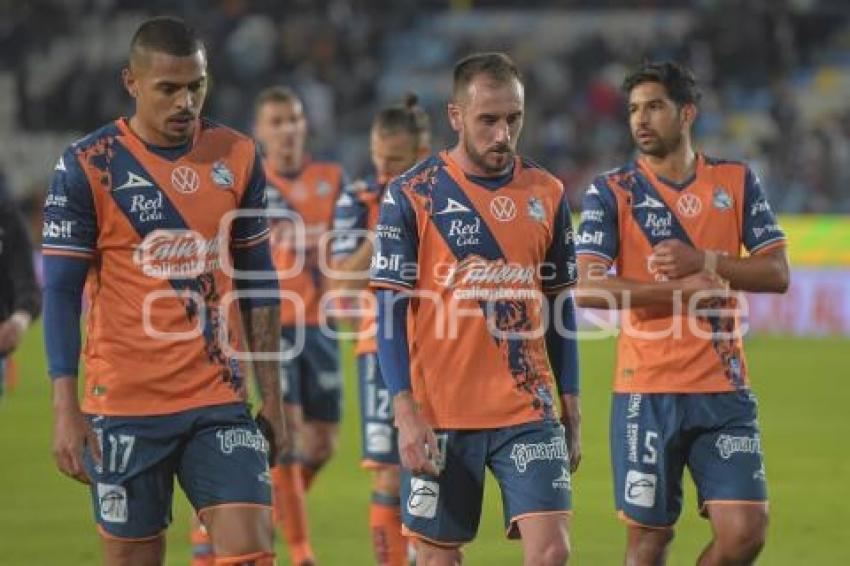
(167, 254)
(58, 229)
(465, 233)
(147, 208)
(387, 262)
(586, 238)
(660, 224)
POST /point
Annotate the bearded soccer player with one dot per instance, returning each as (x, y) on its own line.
(673, 222)
(138, 213)
(399, 138)
(474, 247)
(306, 190)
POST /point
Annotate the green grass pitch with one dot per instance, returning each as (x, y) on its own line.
(802, 385)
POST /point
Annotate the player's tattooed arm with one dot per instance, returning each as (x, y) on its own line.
(262, 328)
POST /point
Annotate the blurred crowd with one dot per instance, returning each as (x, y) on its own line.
(775, 76)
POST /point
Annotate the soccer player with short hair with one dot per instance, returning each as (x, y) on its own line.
(673, 222)
(138, 214)
(400, 136)
(310, 375)
(474, 247)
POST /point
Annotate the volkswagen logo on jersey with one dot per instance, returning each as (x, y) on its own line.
(722, 200)
(221, 175)
(185, 180)
(689, 205)
(503, 208)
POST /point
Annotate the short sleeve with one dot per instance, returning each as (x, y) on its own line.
(351, 220)
(253, 227)
(70, 219)
(395, 258)
(760, 229)
(560, 264)
(598, 230)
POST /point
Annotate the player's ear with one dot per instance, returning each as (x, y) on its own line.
(130, 82)
(689, 113)
(455, 118)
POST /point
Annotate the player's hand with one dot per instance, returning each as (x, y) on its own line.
(417, 444)
(72, 435)
(703, 282)
(271, 423)
(571, 419)
(11, 332)
(676, 259)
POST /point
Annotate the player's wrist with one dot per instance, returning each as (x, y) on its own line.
(403, 406)
(709, 262)
(65, 399)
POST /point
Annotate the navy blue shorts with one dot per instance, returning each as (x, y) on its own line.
(217, 453)
(530, 462)
(311, 377)
(378, 434)
(654, 436)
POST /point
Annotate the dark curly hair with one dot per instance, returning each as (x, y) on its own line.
(678, 81)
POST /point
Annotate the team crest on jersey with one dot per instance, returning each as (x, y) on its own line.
(221, 175)
(535, 209)
(323, 188)
(722, 200)
(689, 205)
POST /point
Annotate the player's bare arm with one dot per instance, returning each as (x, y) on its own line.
(261, 330)
(356, 262)
(768, 272)
(599, 290)
(72, 434)
(416, 440)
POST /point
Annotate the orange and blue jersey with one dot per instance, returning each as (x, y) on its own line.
(162, 332)
(721, 208)
(477, 256)
(357, 215)
(311, 195)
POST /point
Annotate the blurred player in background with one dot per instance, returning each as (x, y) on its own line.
(673, 222)
(310, 377)
(400, 137)
(134, 212)
(481, 237)
(20, 296)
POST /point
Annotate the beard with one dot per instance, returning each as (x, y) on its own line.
(659, 146)
(488, 166)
